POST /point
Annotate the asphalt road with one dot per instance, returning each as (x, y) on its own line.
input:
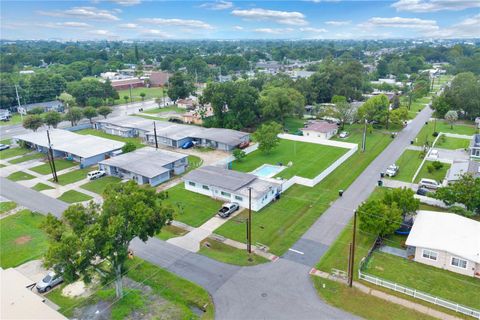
(278, 290)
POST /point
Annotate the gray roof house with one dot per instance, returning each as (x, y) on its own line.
(125, 126)
(232, 186)
(475, 147)
(459, 168)
(146, 165)
(54, 105)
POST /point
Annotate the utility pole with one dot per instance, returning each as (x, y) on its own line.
(155, 134)
(433, 81)
(351, 259)
(388, 115)
(364, 138)
(18, 101)
(130, 90)
(249, 225)
(50, 151)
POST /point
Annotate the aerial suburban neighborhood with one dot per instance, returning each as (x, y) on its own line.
(240, 160)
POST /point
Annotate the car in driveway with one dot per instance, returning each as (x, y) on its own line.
(4, 146)
(343, 134)
(227, 209)
(93, 175)
(187, 145)
(392, 170)
(429, 184)
(49, 281)
(422, 191)
(433, 154)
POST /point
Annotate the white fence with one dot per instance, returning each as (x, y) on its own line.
(420, 295)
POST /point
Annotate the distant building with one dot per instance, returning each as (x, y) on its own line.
(475, 147)
(186, 103)
(320, 129)
(54, 105)
(124, 84)
(27, 72)
(159, 78)
(196, 116)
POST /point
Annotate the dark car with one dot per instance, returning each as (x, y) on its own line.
(4, 147)
(422, 191)
(187, 145)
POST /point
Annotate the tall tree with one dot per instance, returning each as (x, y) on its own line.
(74, 115)
(465, 191)
(378, 218)
(104, 111)
(451, 116)
(404, 198)
(33, 122)
(90, 113)
(179, 86)
(52, 118)
(375, 108)
(267, 136)
(277, 103)
(85, 235)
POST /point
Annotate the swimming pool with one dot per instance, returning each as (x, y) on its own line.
(267, 170)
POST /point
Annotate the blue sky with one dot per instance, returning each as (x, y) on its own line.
(313, 19)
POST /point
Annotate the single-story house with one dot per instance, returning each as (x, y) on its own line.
(186, 103)
(124, 84)
(320, 129)
(125, 126)
(19, 301)
(446, 241)
(54, 105)
(159, 78)
(461, 167)
(196, 116)
(475, 147)
(232, 186)
(84, 149)
(146, 165)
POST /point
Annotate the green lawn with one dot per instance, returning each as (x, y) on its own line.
(168, 232)
(73, 196)
(41, 186)
(309, 159)
(7, 206)
(282, 223)
(294, 124)
(225, 253)
(437, 175)
(28, 157)
(151, 93)
(19, 176)
(22, 238)
(426, 134)
(73, 176)
(166, 109)
(15, 119)
(136, 141)
(432, 208)
(60, 164)
(99, 185)
(437, 282)
(13, 152)
(191, 208)
(452, 143)
(361, 304)
(408, 162)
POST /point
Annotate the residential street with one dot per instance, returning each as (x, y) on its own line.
(278, 290)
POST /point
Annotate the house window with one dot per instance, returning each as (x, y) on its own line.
(429, 254)
(205, 187)
(460, 263)
(225, 194)
(191, 183)
(238, 198)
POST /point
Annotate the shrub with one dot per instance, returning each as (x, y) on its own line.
(435, 134)
(430, 168)
(239, 154)
(437, 165)
(129, 147)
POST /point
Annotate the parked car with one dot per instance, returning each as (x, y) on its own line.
(429, 184)
(422, 191)
(49, 281)
(227, 209)
(187, 145)
(392, 170)
(343, 134)
(92, 175)
(244, 144)
(4, 147)
(433, 154)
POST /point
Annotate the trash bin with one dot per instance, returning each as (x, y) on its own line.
(382, 174)
(340, 193)
(380, 183)
(411, 141)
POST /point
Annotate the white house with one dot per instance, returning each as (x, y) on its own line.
(232, 186)
(446, 241)
(320, 129)
(475, 147)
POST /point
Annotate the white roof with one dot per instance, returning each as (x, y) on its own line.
(84, 146)
(448, 232)
(19, 302)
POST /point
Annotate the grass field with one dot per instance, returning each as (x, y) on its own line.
(28, 157)
(360, 303)
(7, 206)
(437, 282)
(294, 124)
(166, 109)
(308, 159)
(22, 238)
(408, 162)
(19, 176)
(282, 223)
(73, 176)
(41, 186)
(99, 185)
(169, 232)
(225, 253)
(136, 141)
(426, 134)
(73, 196)
(13, 152)
(452, 143)
(437, 175)
(150, 93)
(191, 208)
(60, 164)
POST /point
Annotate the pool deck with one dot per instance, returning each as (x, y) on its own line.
(275, 169)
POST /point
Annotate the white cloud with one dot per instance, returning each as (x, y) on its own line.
(103, 33)
(126, 2)
(434, 5)
(468, 28)
(154, 33)
(398, 22)
(68, 24)
(217, 5)
(83, 13)
(338, 22)
(239, 28)
(128, 25)
(273, 30)
(318, 1)
(313, 30)
(282, 17)
(196, 24)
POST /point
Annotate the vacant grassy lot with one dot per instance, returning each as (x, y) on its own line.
(426, 134)
(280, 224)
(166, 109)
(150, 93)
(437, 175)
(73, 196)
(41, 186)
(19, 176)
(359, 303)
(308, 159)
(136, 141)
(13, 152)
(294, 124)
(222, 252)
(22, 238)
(28, 157)
(437, 282)
(99, 185)
(191, 208)
(168, 232)
(452, 143)
(7, 206)
(73, 176)
(60, 164)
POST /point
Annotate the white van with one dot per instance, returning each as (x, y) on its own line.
(92, 175)
(429, 184)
